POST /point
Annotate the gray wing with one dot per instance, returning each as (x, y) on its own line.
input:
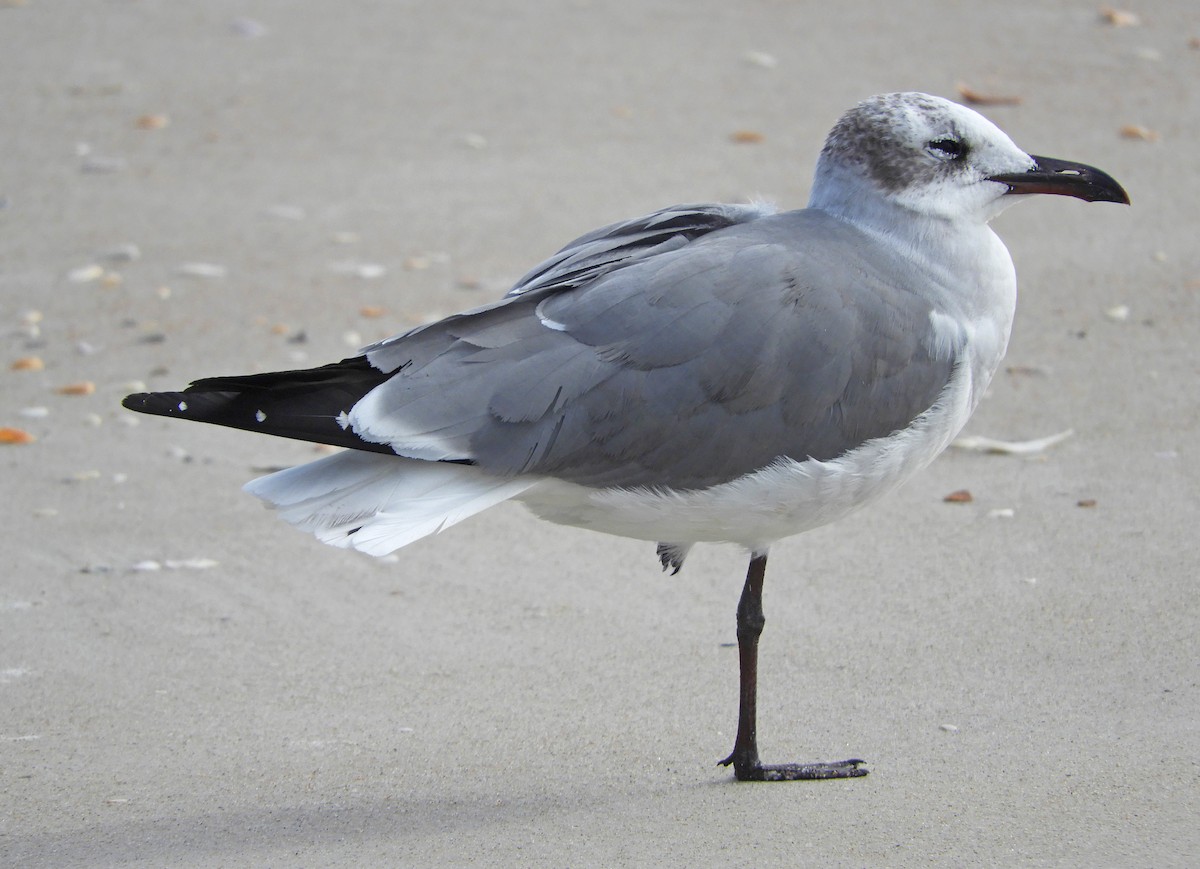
(617, 245)
(687, 367)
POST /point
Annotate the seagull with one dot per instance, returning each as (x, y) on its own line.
(707, 373)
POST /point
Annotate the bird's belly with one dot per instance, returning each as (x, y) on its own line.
(785, 498)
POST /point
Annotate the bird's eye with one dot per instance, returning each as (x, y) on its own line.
(948, 149)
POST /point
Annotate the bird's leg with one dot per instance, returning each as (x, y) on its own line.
(746, 764)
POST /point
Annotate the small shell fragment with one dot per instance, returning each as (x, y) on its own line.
(287, 212)
(247, 28)
(948, 728)
(366, 271)
(1118, 313)
(83, 387)
(28, 363)
(979, 98)
(202, 270)
(961, 496)
(1002, 513)
(122, 253)
(1137, 131)
(152, 122)
(85, 274)
(746, 137)
(190, 563)
(761, 58)
(1119, 17)
(982, 444)
(93, 164)
(15, 436)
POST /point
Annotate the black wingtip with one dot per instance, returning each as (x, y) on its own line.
(158, 403)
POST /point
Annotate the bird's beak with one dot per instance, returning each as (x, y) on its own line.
(1065, 179)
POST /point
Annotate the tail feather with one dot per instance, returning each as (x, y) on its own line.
(378, 503)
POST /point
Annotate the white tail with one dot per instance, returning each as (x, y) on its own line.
(377, 503)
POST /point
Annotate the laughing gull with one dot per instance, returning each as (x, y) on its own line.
(706, 373)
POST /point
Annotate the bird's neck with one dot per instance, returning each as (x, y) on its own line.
(943, 247)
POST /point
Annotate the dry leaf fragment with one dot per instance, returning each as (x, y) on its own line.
(962, 496)
(1119, 17)
(1137, 131)
(28, 363)
(979, 98)
(746, 137)
(83, 387)
(1086, 502)
(15, 436)
(372, 311)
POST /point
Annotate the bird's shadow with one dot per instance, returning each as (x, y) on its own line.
(390, 822)
(240, 834)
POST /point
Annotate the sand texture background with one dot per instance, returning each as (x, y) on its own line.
(190, 189)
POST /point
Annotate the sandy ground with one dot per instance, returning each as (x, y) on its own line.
(1020, 672)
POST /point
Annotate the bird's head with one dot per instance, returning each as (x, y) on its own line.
(938, 159)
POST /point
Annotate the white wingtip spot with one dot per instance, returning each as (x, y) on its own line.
(182, 406)
(260, 416)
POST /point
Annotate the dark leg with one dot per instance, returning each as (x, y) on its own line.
(746, 765)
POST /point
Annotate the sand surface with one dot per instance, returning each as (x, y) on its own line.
(189, 189)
